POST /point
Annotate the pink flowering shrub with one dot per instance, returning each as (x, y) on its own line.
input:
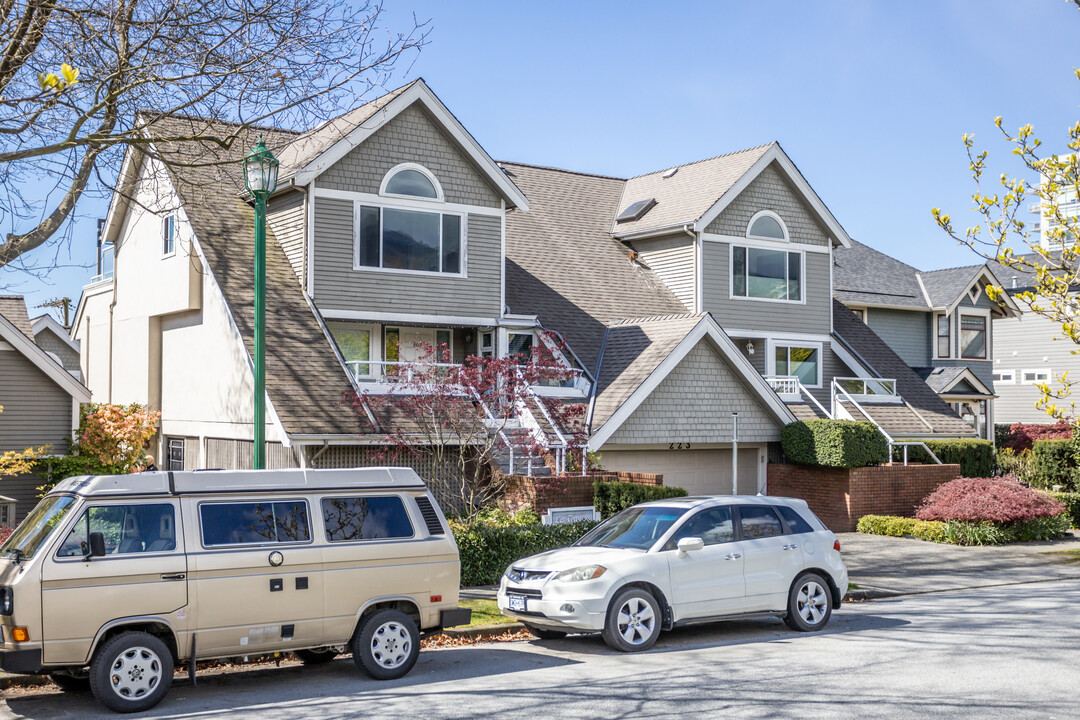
(996, 500)
(5, 533)
(1022, 437)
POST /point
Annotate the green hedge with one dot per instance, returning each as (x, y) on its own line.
(966, 533)
(487, 550)
(612, 497)
(834, 443)
(976, 458)
(1054, 462)
(891, 525)
(1072, 505)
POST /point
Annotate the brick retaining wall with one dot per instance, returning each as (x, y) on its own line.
(542, 493)
(840, 497)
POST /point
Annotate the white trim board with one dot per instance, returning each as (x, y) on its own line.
(789, 245)
(407, 318)
(404, 203)
(706, 327)
(417, 92)
(43, 361)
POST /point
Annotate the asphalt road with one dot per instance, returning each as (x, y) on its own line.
(1007, 652)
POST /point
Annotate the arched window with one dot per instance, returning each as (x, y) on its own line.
(411, 180)
(766, 225)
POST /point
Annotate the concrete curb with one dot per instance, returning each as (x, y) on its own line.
(483, 630)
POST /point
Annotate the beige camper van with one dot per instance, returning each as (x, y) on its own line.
(112, 580)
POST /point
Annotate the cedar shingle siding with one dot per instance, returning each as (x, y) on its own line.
(769, 191)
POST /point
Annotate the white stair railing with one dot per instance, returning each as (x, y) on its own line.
(891, 442)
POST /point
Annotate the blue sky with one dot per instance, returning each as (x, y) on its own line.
(869, 99)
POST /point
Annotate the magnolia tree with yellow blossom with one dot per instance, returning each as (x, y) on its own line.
(1051, 266)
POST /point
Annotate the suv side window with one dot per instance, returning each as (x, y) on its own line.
(365, 518)
(713, 525)
(128, 529)
(759, 521)
(254, 523)
(794, 520)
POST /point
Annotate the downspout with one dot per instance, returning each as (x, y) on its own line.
(311, 460)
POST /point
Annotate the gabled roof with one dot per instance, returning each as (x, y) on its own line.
(707, 187)
(640, 353)
(315, 152)
(563, 266)
(46, 322)
(944, 287)
(13, 307)
(24, 343)
(304, 378)
(877, 357)
(956, 379)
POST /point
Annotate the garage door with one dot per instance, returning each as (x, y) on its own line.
(699, 472)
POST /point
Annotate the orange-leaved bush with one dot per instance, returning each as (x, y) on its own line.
(997, 500)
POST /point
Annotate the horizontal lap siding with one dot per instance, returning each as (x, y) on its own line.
(338, 286)
(1029, 342)
(815, 316)
(285, 217)
(906, 332)
(672, 259)
(37, 411)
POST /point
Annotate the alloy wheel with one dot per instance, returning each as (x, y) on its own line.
(812, 602)
(636, 621)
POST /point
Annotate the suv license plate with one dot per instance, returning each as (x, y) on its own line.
(517, 602)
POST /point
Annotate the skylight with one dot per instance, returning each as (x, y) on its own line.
(636, 210)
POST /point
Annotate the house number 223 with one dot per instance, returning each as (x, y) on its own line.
(678, 446)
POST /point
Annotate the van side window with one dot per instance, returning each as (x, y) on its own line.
(794, 520)
(365, 518)
(254, 523)
(127, 529)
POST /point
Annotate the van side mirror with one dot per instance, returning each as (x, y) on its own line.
(689, 545)
(97, 545)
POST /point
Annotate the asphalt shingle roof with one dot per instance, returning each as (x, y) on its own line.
(688, 194)
(13, 307)
(887, 364)
(944, 286)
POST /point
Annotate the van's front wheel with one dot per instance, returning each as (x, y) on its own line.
(387, 645)
(131, 672)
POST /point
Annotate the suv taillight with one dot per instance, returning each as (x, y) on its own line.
(836, 545)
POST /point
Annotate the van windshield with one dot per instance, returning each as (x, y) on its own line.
(36, 528)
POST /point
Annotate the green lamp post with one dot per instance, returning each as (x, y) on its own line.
(260, 179)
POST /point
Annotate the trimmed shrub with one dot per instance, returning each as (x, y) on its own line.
(894, 526)
(834, 443)
(996, 500)
(488, 547)
(1020, 436)
(1010, 462)
(613, 497)
(1071, 500)
(975, 457)
(1054, 462)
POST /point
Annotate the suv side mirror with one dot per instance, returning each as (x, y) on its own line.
(689, 545)
(97, 545)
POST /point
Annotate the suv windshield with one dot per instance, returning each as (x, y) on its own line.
(36, 528)
(638, 528)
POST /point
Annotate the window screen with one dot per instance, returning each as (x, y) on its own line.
(365, 518)
(759, 522)
(254, 523)
(794, 520)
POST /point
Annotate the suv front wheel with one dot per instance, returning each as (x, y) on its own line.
(633, 621)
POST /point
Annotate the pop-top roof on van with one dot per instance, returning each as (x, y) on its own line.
(240, 481)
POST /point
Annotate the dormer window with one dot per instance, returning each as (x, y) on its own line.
(766, 225)
(412, 181)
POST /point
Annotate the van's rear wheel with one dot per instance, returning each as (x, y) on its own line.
(131, 672)
(387, 645)
(71, 683)
(316, 657)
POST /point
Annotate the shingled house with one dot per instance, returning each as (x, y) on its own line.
(682, 296)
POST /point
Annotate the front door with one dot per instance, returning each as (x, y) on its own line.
(773, 559)
(709, 581)
(256, 581)
(143, 573)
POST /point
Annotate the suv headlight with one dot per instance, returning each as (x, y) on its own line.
(586, 572)
(7, 601)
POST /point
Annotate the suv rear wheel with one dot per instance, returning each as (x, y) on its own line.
(809, 603)
(131, 672)
(387, 645)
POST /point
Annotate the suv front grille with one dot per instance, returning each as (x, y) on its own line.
(527, 592)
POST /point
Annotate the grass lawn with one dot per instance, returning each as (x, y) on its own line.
(484, 612)
(1068, 556)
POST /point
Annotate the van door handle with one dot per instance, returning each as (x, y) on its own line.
(175, 576)
(733, 556)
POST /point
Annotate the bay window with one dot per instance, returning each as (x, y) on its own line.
(766, 274)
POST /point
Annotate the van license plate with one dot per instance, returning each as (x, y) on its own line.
(517, 602)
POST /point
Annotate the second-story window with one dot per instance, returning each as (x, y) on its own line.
(397, 239)
(766, 274)
(973, 337)
(168, 235)
(943, 341)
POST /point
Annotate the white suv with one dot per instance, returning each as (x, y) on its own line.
(673, 562)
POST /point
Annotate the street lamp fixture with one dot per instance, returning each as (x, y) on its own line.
(260, 179)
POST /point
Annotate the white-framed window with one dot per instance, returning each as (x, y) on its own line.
(410, 180)
(1030, 377)
(974, 336)
(520, 342)
(168, 235)
(1005, 377)
(860, 313)
(410, 344)
(765, 274)
(795, 359)
(766, 225)
(359, 345)
(401, 240)
(487, 343)
(942, 336)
